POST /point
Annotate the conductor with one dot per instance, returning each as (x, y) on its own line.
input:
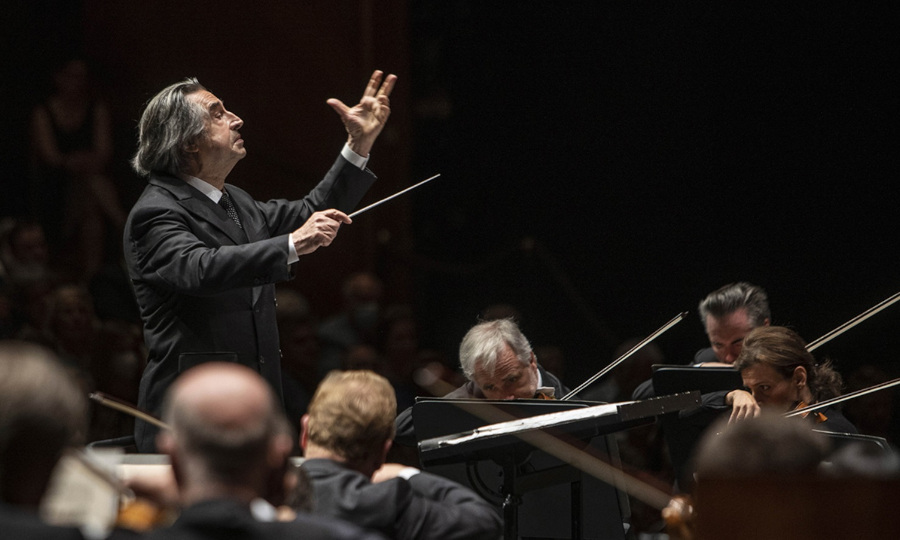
(203, 256)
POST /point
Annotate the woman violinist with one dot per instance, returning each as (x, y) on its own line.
(780, 374)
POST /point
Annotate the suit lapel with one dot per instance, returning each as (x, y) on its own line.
(201, 206)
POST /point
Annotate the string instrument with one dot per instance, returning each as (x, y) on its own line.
(679, 515)
(804, 412)
(135, 512)
(127, 408)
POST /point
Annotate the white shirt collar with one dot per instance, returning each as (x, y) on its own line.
(204, 187)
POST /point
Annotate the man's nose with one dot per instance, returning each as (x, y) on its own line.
(732, 354)
(236, 122)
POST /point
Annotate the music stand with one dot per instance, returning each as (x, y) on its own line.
(682, 431)
(671, 379)
(522, 471)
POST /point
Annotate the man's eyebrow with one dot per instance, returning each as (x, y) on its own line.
(215, 105)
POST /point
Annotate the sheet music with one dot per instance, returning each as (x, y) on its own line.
(535, 422)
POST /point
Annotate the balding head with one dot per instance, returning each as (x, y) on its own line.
(224, 421)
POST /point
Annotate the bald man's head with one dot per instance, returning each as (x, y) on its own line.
(223, 416)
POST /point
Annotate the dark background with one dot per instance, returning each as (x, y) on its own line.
(656, 151)
(604, 164)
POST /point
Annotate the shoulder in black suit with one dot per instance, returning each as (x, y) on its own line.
(205, 287)
(424, 507)
(220, 519)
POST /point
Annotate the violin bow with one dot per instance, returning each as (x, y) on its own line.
(841, 399)
(566, 450)
(675, 320)
(127, 408)
(853, 322)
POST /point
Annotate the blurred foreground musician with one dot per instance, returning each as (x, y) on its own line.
(42, 413)
(227, 444)
(773, 477)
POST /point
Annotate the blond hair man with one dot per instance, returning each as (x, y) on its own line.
(346, 436)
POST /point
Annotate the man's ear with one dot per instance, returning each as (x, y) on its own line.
(799, 377)
(304, 431)
(766, 322)
(165, 442)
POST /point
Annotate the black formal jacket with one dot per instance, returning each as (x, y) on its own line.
(22, 524)
(226, 519)
(422, 508)
(205, 287)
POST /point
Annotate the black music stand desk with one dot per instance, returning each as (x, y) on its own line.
(536, 488)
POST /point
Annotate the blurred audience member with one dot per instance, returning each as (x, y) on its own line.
(398, 345)
(299, 353)
(72, 147)
(101, 357)
(356, 324)
(24, 252)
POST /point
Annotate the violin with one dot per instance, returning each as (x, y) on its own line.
(680, 517)
(802, 409)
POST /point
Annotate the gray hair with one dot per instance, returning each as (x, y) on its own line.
(42, 411)
(169, 122)
(733, 297)
(484, 342)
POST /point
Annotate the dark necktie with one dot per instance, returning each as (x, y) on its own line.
(226, 203)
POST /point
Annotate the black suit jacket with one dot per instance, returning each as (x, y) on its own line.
(23, 524)
(205, 287)
(424, 507)
(226, 519)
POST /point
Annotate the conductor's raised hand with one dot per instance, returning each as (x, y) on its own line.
(366, 119)
(319, 230)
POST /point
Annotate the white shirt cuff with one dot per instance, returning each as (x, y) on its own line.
(408, 472)
(292, 250)
(353, 157)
